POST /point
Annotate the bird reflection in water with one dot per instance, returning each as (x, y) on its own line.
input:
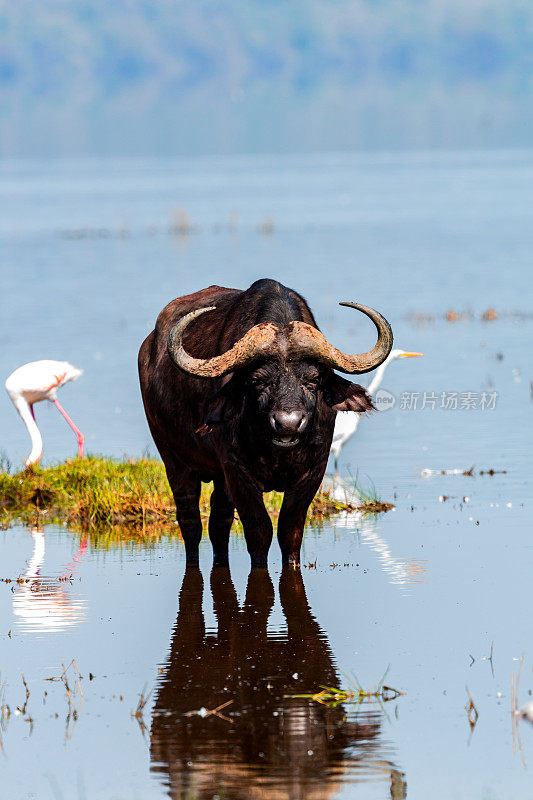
(400, 571)
(45, 604)
(277, 745)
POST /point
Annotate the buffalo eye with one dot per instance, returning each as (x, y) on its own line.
(259, 383)
(310, 379)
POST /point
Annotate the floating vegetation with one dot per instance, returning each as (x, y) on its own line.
(95, 491)
(471, 473)
(492, 472)
(180, 226)
(73, 693)
(138, 714)
(453, 315)
(70, 678)
(354, 496)
(214, 712)
(488, 315)
(368, 500)
(375, 507)
(471, 711)
(332, 696)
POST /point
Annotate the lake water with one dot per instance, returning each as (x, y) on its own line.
(90, 251)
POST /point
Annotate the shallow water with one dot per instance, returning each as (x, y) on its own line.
(88, 257)
(424, 593)
(91, 251)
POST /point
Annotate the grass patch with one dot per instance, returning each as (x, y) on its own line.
(360, 497)
(369, 500)
(94, 492)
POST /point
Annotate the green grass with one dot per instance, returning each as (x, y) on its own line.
(364, 497)
(96, 492)
(333, 696)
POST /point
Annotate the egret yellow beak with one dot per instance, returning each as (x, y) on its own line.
(411, 355)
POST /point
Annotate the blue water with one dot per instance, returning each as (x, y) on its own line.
(90, 251)
(88, 260)
(423, 592)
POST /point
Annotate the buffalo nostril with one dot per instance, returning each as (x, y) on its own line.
(288, 422)
(275, 423)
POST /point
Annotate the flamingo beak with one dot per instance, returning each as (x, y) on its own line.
(410, 355)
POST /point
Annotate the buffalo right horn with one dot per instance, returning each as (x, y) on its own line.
(255, 343)
(309, 342)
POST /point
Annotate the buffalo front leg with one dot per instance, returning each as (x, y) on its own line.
(186, 487)
(292, 520)
(248, 499)
(220, 522)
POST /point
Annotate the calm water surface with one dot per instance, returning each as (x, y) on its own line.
(424, 592)
(89, 253)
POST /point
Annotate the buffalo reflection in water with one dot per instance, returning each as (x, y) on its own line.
(277, 746)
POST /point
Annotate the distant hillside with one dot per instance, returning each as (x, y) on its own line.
(138, 76)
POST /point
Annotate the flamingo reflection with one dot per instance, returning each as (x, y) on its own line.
(46, 604)
(278, 745)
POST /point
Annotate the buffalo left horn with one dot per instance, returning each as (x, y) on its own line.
(307, 341)
(255, 343)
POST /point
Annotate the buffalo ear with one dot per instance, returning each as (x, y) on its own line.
(221, 407)
(343, 395)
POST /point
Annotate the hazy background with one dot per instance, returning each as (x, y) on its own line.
(372, 151)
(137, 77)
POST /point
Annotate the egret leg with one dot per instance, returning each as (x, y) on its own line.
(79, 435)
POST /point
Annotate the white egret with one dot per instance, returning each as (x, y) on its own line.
(36, 381)
(347, 421)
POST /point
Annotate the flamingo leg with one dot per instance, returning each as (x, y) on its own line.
(68, 569)
(79, 435)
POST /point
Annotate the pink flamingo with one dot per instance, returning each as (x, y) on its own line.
(36, 381)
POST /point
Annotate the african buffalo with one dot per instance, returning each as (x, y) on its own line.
(239, 389)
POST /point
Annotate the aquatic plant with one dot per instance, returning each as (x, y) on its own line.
(368, 500)
(333, 696)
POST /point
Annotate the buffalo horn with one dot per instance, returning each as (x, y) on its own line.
(308, 342)
(255, 343)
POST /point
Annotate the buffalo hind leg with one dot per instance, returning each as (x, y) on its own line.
(186, 487)
(220, 522)
(292, 520)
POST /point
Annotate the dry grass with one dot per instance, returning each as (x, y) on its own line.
(96, 492)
